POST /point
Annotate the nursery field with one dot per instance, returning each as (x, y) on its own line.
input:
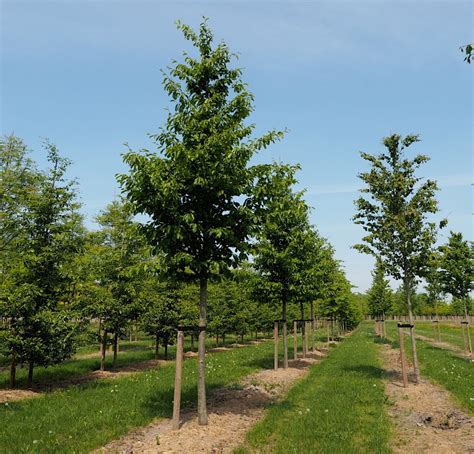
(339, 404)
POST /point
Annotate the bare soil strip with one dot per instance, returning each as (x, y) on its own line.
(425, 418)
(232, 412)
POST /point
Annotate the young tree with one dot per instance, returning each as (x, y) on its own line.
(280, 250)
(394, 215)
(42, 329)
(380, 297)
(161, 314)
(115, 257)
(434, 286)
(196, 190)
(457, 271)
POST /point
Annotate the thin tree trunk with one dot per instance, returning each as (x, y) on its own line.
(114, 360)
(103, 350)
(13, 370)
(166, 347)
(30, 374)
(98, 334)
(202, 407)
(157, 346)
(217, 340)
(192, 342)
(284, 336)
(416, 367)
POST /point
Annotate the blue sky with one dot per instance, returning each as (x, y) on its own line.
(339, 75)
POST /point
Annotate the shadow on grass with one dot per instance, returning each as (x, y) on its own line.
(366, 370)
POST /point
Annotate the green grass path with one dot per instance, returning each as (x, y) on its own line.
(338, 408)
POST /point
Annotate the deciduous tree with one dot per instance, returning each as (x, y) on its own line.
(196, 189)
(393, 211)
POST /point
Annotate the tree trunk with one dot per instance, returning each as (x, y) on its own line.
(102, 351)
(416, 367)
(217, 340)
(312, 317)
(166, 347)
(13, 371)
(157, 346)
(223, 339)
(202, 408)
(114, 360)
(30, 374)
(284, 334)
(98, 334)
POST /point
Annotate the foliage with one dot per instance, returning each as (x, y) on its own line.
(379, 295)
(394, 211)
(457, 268)
(42, 328)
(467, 50)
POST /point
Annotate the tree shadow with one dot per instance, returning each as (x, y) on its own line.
(366, 370)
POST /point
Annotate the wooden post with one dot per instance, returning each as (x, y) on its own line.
(295, 340)
(402, 357)
(306, 335)
(303, 337)
(275, 340)
(464, 337)
(178, 379)
(468, 332)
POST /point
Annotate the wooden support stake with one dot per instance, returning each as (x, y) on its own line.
(295, 340)
(275, 340)
(468, 332)
(306, 336)
(402, 357)
(464, 337)
(178, 380)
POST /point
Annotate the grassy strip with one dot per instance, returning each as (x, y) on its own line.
(450, 334)
(338, 408)
(443, 367)
(85, 417)
(130, 353)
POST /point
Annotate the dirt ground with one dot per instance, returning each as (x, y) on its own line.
(424, 416)
(232, 412)
(8, 395)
